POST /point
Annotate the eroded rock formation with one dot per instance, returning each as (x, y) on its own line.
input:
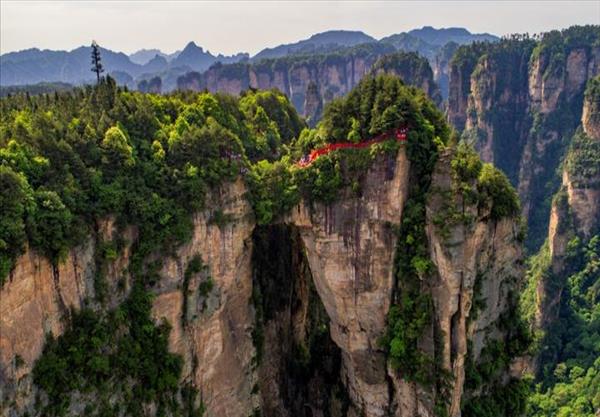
(330, 289)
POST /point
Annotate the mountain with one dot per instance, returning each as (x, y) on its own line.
(33, 66)
(428, 40)
(440, 37)
(157, 64)
(195, 58)
(312, 81)
(531, 106)
(316, 43)
(169, 257)
(142, 56)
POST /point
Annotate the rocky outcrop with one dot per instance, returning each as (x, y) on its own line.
(212, 331)
(461, 68)
(412, 68)
(517, 101)
(496, 107)
(575, 211)
(350, 247)
(294, 328)
(153, 85)
(483, 260)
(313, 104)
(441, 67)
(555, 92)
(311, 81)
(37, 300)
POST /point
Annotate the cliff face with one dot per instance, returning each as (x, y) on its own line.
(213, 334)
(556, 94)
(478, 260)
(441, 67)
(496, 105)
(575, 209)
(295, 325)
(350, 249)
(311, 82)
(37, 300)
(519, 101)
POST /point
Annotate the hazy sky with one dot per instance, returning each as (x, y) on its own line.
(236, 26)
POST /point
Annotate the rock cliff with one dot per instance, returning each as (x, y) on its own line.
(313, 80)
(242, 337)
(575, 209)
(519, 101)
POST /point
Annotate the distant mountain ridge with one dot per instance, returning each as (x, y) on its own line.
(143, 56)
(442, 36)
(34, 66)
(315, 42)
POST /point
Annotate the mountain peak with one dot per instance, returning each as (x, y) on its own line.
(191, 46)
(318, 40)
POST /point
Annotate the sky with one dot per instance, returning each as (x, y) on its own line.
(248, 26)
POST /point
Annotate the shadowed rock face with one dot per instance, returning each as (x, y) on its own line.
(519, 103)
(575, 210)
(328, 294)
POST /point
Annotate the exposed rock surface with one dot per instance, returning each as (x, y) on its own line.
(485, 250)
(350, 247)
(575, 210)
(215, 331)
(300, 78)
(37, 300)
(519, 101)
(346, 249)
(552, 95)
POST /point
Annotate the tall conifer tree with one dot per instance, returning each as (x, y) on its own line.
(96, 61)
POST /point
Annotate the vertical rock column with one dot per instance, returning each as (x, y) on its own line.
(350, 247)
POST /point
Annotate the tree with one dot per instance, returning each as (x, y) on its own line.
(117, 150)
(96, 61)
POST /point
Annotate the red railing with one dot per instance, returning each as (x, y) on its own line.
(398, 134)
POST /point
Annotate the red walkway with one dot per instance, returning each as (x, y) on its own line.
(398, 134)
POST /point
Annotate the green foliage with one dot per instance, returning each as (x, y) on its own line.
(408, 319)
(51, 230)
(575, 393)
(555, 45)
(504, 401)
(412, 68)
(274, 121)
(484, 184)
(496, 192)
(16, 202)
(473, 184)
(583, 161)
(73, 158)
(569, 347)
(380, 104)
(121, 354)
(117, 150)
(273, 190)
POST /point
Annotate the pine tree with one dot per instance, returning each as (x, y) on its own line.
(96, 61)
